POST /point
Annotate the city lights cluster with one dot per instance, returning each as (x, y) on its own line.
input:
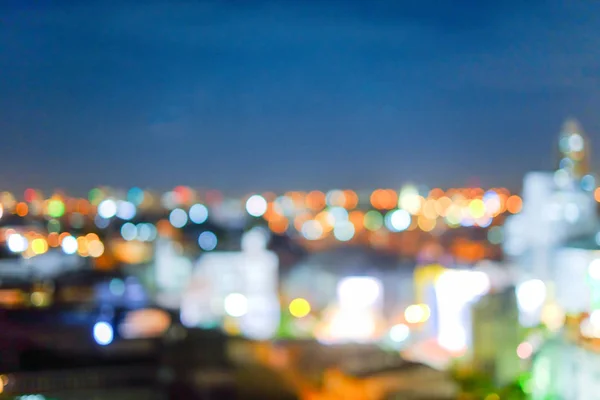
(31, 243)
(343, 213)
(313, 215)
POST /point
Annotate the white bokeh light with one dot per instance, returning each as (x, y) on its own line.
(69, 245)
(312, 230)
(576, 142)
(103, 333)
(126, 210)
(236, 305)
(129, 231)
(343, 231)
(198, 213)
(397, 220)
(399, 333)
(178, 218)
(17, 243)
(256, 205)
(531, 295)
(107, 208)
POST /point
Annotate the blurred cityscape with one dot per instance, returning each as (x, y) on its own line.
(396, 293)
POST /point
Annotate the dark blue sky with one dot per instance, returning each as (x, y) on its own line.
(256, 95)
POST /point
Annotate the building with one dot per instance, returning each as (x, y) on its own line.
(559, 210)
(240, 285)
(574, 150)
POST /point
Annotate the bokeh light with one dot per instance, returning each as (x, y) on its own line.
(299, 307)
(39, 245)
(17, 243)
(103, 333)
(69, 245)
(343, 231)
(198, 213)
(417, 313)
(514, 204)
(524, 350)
(256, 205)
(236, 305)
(126, 210)
(56, 208)
(399, 333)
(107, 208)
(312, 230)
(373, 220)
(95, 248)
(207, 241)
(129, 231)
(135, 195)
(397, 220)
(178, 218)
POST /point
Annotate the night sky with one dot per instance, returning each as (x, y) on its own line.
(257, 95)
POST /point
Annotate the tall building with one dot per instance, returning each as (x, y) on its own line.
(573, 148)
(558, 208)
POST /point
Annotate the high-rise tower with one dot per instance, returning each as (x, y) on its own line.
(573, 147)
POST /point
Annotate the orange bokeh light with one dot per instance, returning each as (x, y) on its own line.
(597, 194)
(357, 219)
(351, 199)
(384, 199)
(21, 209)
(83, 206)
(514, 204)
(315, 200)
(53, 239)
(91, 237)
(62, 236)
(279, 225)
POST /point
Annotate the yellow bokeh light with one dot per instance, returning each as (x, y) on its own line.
(417, 313)
(477, 208)
(39, 246)
(3, 382)
(299, 307)
(39, 299)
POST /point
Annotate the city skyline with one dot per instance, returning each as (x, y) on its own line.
(280, 96)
